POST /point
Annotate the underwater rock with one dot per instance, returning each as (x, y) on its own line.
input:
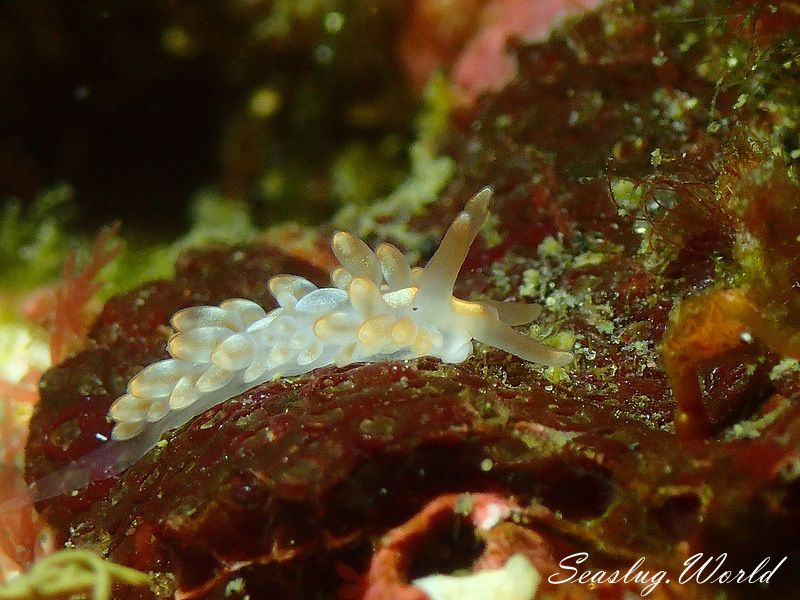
(608, 153)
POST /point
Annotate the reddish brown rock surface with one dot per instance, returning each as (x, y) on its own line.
(607, 165)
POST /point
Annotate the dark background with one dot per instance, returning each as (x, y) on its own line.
(92, 93)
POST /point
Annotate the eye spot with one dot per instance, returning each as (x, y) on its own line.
(415, 308)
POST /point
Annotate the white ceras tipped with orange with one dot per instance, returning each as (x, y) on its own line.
(379, 309)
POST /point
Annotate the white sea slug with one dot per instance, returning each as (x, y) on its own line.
(379, 309)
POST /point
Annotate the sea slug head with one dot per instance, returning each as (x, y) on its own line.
(424, 317)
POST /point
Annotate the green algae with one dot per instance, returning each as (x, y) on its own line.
(33, 241)
(430, 171)
(69, 572)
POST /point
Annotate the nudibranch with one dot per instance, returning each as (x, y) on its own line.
(379, 308)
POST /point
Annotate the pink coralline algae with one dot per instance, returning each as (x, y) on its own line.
(472, 39)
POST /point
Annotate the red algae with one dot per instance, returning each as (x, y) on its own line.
(24, 535)
(64, 309)
(756, 195)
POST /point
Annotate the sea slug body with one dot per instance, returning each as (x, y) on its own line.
(379, 308)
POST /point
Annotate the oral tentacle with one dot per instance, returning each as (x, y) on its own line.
(493, 332)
